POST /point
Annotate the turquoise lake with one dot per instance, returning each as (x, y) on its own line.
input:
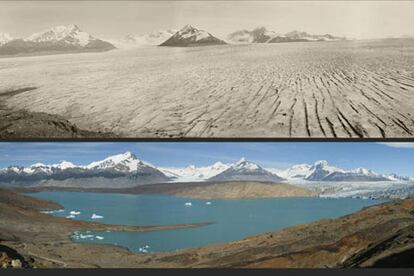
(231, 219)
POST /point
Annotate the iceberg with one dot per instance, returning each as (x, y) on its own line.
(208, 203)
(75, 213)
(99, 237)
(85, 236)
(95, 216)
(188, 204)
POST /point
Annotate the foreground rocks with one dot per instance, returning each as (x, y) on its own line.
(377, 236)
(18, 123)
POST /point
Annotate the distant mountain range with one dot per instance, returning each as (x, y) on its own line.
(323, 171)
(70, 38)
(126, 170)
(59, 39)
(262, 35)
(122, 170)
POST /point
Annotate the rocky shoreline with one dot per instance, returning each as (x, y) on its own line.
(376, 236)
(42, 240)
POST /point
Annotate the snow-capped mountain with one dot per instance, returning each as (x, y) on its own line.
(257, 35)
(122, 169)
(262, 35)
(323, 171)
(300, 171)
(245, 170)
(126, 162)
(70, 34)
(193, 173)
(150, 39)
(4, 38)
(304, 36)
(58, 39)
(190, 36)
(126, 170)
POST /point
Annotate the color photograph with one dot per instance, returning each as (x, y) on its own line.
(206, 205)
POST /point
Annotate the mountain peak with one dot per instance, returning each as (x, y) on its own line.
(321, 163)
(246, 170)
(71, 34)
(190, 36)
(260, 28)
(64, 165)
(126, 161)
(243, 163)
(126, 156)
(188, 28)
(242, 160)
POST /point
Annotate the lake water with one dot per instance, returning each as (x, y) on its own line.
(231, 219)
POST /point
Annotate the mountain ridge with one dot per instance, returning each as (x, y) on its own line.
(135, 171)
(58, 39)
(262, 35)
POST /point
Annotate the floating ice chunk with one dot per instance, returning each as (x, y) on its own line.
(52, 211)
(70, 216)
(75, 213)
(188, 204)
(208, 203)
(142, 250)
(85, 236)
(95, 216)
(99, 237)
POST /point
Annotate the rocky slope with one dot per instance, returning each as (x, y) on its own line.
(16, 123)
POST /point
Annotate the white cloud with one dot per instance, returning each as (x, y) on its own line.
(405, 145)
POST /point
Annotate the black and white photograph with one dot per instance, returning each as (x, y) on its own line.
(206, 69)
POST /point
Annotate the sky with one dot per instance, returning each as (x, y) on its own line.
(115, 19)
(380, 157)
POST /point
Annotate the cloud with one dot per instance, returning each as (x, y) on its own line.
(404, 145)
